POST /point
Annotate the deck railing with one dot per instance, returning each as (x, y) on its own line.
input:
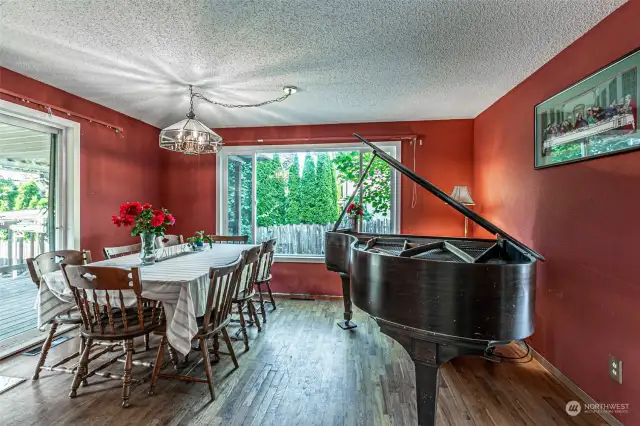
(22, 235)
(16, 248)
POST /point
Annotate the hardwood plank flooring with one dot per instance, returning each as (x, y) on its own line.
(301, 370)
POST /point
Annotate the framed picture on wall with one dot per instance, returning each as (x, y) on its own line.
(595, 117)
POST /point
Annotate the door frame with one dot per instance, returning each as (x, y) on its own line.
(68, 166)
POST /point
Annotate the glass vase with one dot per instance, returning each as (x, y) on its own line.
(148, 248)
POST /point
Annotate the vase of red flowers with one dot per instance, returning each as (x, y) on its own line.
(146, 222)
(355, 212)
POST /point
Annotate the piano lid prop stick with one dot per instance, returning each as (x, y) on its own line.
(355, 191)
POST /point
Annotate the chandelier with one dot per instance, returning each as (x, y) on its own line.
(191, 137)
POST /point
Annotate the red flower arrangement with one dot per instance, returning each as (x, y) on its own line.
(355, 209)
(143, 218)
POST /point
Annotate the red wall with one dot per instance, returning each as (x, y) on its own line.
(581, 217)
(445, 157)
(115, 170)
(112, 170)
(189, 191)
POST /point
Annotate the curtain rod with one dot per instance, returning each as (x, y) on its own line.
(317, 139)
(50, 108)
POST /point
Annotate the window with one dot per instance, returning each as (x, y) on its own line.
(296, 193)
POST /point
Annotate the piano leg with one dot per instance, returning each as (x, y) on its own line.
(428, 352)
(346, 324)
(427, 386)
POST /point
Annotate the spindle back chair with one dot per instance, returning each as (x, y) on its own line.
(246, 291)
(43, 264)
(223, 282)
(51, 261)
(169, 240)
(267, 255)
(112, 308)
(111, 252)
(230, 239)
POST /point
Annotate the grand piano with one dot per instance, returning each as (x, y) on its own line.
(439, 297)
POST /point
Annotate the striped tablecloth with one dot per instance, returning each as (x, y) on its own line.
(181, 284)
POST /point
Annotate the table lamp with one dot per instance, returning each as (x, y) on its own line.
(461, 194)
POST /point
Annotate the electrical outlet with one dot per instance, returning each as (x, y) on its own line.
(615, 369)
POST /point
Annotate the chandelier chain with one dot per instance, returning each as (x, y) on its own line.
(198, 138)
(191, 98)
(222, 104)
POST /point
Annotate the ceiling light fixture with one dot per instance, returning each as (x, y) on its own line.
(191, 137)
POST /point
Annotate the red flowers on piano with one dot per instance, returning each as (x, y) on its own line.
(355, 209)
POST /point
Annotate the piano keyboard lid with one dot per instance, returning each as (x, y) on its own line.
(438, 193)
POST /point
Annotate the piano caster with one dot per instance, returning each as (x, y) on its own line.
(489, 352)
(492, 358)
(347, 325)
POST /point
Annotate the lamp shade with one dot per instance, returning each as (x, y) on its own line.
(190, 137)
(462, 195)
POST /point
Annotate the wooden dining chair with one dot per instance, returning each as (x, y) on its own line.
(223, 283)
(245, 292)
(267, 254)
(169, 240)
(44, 264)
(111, 252)
(230, 239)
(100, 294)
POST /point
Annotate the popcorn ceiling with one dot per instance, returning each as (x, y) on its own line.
(354, 61)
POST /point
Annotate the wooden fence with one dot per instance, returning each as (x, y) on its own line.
(309, 239)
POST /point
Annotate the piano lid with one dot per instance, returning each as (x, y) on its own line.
(446, 198)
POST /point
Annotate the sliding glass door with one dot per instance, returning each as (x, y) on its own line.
(28, 217)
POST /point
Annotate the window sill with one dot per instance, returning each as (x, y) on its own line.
(299, 259)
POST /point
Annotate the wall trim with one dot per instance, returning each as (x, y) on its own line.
(607, 417)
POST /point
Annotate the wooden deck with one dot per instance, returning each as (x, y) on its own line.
(17, 299)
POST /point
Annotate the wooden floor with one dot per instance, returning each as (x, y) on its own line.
(301, 370)
(17, 313)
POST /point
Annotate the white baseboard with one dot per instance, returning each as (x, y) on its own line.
(607, 417)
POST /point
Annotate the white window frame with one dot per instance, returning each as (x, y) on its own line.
(67, 179)
(254, 150)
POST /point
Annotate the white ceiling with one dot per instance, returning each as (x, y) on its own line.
(354, 61)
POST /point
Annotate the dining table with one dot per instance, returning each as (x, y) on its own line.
(180, 282)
